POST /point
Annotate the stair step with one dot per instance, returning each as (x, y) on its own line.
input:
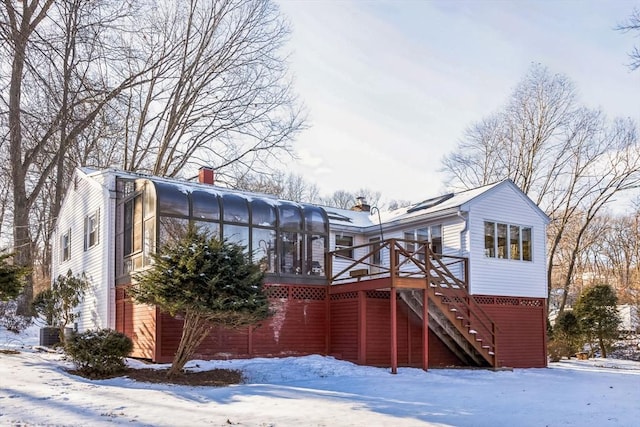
(486, 346)
(473, 331)
(491, 353)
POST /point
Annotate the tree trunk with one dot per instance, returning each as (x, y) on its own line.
(194, 330)
(21, 235)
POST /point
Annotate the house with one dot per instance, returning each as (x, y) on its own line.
(456, 280)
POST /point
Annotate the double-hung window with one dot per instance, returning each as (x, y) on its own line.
(345, 242)
(65, 245)
(91, 230)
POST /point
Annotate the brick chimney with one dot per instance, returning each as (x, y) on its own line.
(206, 175)
(361, 205)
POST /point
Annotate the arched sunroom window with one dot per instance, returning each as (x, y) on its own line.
(205, 211)
(235, 218)
(316, 235)
(290, 238)
(173, 211)
(263, 234)
(286, 239)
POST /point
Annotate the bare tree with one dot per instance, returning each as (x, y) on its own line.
(570, 160)
(222, 96)
(91, 84)
(66, 67)
(632, 25)
(615, 257)
(284, 186)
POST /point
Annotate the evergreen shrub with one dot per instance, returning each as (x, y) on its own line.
(99, 353)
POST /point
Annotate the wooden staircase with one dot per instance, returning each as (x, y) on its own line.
(454, 316)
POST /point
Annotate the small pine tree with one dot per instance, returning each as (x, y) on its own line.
(567, 334)
(209, 282)
(11, 278)
(596, 310)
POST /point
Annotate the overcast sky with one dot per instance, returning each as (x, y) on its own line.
(390, 86)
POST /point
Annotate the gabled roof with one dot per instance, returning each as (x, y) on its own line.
(446, 204)
(453, 202)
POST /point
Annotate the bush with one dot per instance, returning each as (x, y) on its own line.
(99, 353)
(567, 334)
(10, 320)
(556, 350)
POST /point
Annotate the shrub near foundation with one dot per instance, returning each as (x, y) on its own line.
(100, 353)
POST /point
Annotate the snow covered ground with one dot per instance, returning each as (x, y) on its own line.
(35, 390)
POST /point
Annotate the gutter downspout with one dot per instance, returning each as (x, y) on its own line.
(463, 216)
(463, 252)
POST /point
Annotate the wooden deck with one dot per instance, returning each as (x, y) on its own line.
(434, 286)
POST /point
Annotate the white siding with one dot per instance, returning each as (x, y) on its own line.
(493, 276)
(84, 198)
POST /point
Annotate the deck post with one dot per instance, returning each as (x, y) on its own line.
(425, 329)
(362, 327)
(394, 331)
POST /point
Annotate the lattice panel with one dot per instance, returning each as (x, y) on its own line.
(277, 292)
(447, 299)
(531, 302)
(377, 294)
(484, 300)
(308, 292)
(507, 301)
(343, 296)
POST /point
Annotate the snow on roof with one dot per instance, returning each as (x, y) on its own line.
(436, 204)
(337, 217)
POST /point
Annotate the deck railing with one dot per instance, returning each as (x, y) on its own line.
(401, 258)
(395, 258)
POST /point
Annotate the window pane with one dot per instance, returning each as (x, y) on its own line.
(137, 224)
(290, 217)
(409, 246)
(149, 240)
(526, 244)
(237, 234)
(514, 241)
(344, 242)
(128, 227)
(93, 229)
(211, 228)
(290, 253)
(65, 245)
(149, 196)
(314, 220)
(374, 248)
(489, 239)
(502, 240)
(235, 209)
(171, 229)
(205, 205)
(315, 254)
(263, 247)
(436, 238)
(263, 213)
(171, 200)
